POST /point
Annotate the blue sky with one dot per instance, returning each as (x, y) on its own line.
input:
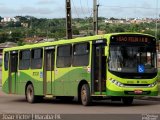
(80, 8)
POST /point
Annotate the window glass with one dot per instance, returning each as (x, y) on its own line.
(64, 51)
(81, 49)
(6, 59)
(36, 61)
(130, 58)
(64, 56)
(50, 60)
(26, 55)
(81, 54)
(24, 61)
(37, 53)
(14, 61)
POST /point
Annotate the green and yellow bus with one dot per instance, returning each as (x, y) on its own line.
(119, 66)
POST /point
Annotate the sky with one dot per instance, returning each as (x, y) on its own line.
(81, 8)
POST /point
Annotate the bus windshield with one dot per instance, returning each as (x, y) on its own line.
(132, 59)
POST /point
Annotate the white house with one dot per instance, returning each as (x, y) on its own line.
(8, 19)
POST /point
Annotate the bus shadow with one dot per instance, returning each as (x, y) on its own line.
(120, 104)
(46, 101)
(103, 103)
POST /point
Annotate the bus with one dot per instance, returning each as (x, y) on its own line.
(119, 66)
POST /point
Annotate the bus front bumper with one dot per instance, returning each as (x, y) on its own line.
(131, 93)
(114, 90)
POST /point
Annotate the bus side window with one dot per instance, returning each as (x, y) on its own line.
(6, 59)
(24, 59)
(81, 54)
(36, 61)
(64, 56)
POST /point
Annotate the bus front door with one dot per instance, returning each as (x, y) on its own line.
(48, 70)
(98, 69)
(13, 71)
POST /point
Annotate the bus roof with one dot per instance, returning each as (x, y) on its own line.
(67, 41)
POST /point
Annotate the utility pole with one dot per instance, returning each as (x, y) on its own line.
(97, 6)
(95, 17)
(68, 20)
(156, 31)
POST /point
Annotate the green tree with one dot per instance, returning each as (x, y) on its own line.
(3, 37)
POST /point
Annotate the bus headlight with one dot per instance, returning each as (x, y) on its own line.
(153, 84)
(116, 83)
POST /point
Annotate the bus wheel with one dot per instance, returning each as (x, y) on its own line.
(85, 95)
(30, 94)
(127, 100)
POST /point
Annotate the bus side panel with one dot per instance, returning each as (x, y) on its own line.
(23, 78)
(14, 83)
(61, 76)
(68, 79)
(5, 81)
(76, 75)
(33, 76)
(5, 76)
(37, 79)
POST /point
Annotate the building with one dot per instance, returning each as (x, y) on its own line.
(8, 19)
(5, 45)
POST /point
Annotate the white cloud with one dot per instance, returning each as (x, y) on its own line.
(142, 10)
(1, 4)
(46, 2)
(6, 10)
(54, 9)
(33, 11)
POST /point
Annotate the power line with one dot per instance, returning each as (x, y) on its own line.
(128, 7)
(89, 9)
(82, 8)
(75, 9)
(84, 12)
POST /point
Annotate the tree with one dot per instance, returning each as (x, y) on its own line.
(3, 37)
(75, 31)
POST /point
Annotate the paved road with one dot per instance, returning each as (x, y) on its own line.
(13, 104)
(18, 104)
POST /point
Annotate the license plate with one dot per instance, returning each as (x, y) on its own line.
(138, 91)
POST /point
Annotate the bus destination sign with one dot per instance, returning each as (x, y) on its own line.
(132, 39)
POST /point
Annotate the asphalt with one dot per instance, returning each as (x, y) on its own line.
(152, 98)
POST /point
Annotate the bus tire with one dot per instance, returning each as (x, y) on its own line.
(127, 100)
(85, 95)
(31, 98)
